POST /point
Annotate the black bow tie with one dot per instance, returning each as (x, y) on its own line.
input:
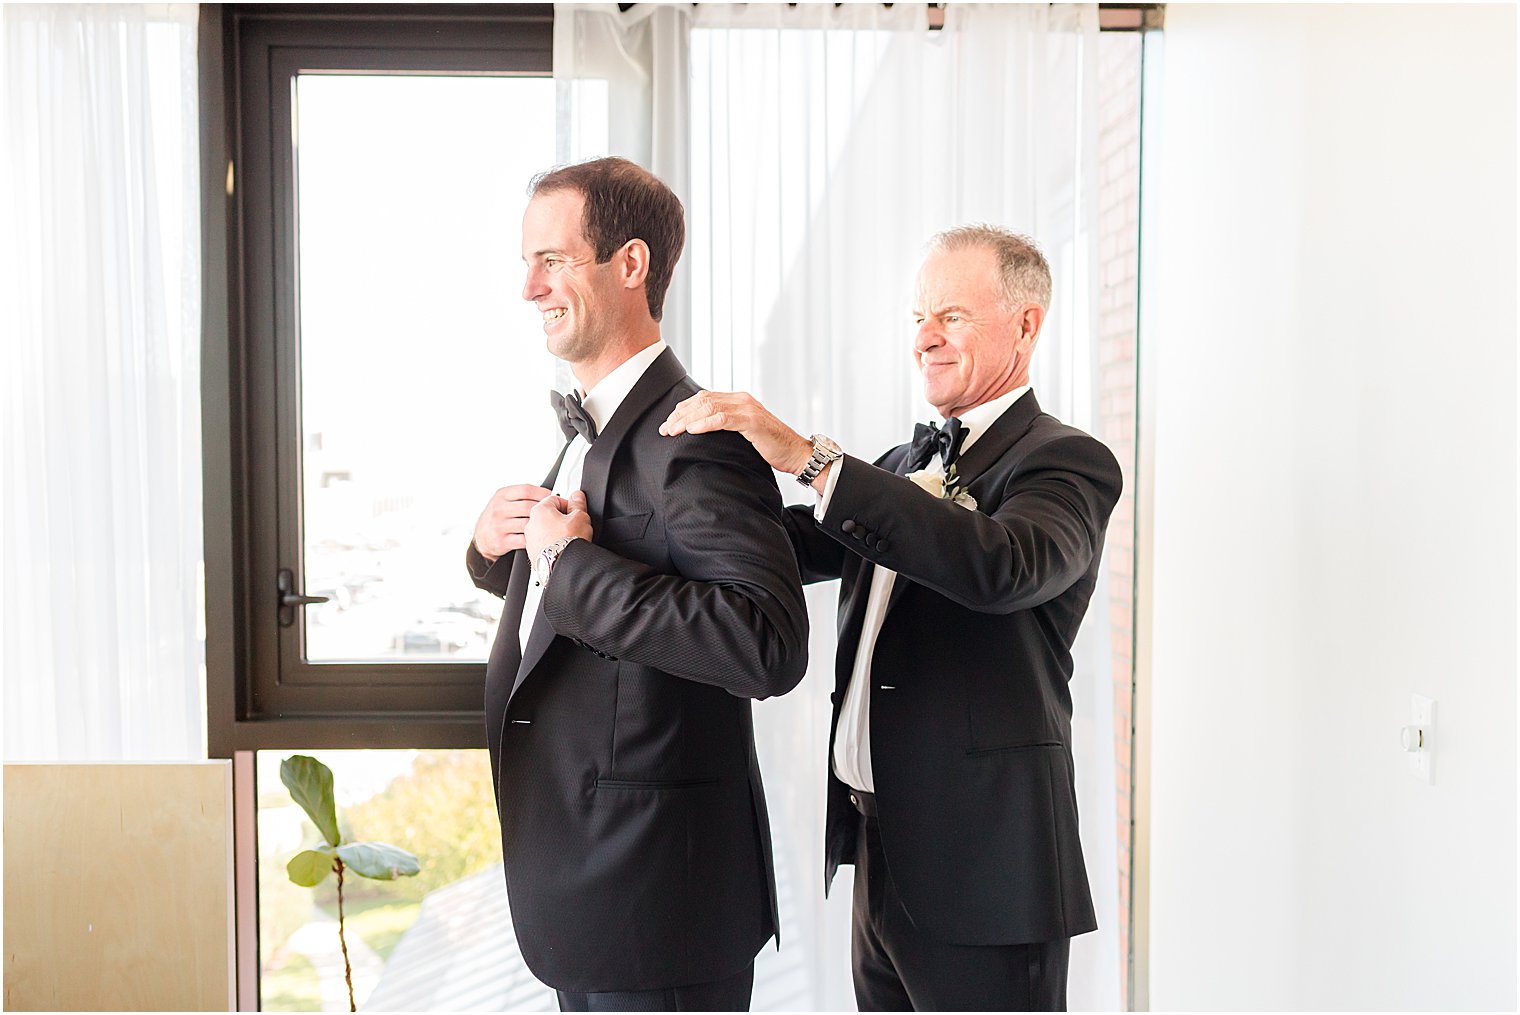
(573, 417)
(929, 439)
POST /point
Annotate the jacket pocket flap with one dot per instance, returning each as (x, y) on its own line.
(624, 528)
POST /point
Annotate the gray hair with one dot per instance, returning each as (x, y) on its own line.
(1022, 269)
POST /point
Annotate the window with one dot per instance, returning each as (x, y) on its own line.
(375, 163)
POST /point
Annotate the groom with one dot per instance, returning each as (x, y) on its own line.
(650, 594)
(967, 559)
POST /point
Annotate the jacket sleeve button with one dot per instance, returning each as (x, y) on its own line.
(848, 525)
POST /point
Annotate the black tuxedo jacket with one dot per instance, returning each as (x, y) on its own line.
(970, 707)
(633, 821)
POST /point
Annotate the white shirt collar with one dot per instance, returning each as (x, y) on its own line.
(979, 419)
(602, 402)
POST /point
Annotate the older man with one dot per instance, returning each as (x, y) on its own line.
(650, 594)
(968, 558)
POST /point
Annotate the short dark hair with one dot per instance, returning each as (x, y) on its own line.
(625, 201)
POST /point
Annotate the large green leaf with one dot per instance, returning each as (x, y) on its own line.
(309, 867)
(311, 785)
(378, 860)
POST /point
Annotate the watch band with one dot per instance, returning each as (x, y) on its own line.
(825, 450)
(543, 564)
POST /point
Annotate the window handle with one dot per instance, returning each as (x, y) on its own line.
(285, 581)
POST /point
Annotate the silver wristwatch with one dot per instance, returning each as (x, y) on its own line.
(544, 562)
(824, 452)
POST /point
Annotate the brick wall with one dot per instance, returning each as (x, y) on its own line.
(1119, 235)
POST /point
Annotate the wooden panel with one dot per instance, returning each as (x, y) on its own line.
(118, 887)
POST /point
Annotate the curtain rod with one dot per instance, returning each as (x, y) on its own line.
(1118, 17)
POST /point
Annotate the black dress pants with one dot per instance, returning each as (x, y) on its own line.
(732, 994)
(898, 967)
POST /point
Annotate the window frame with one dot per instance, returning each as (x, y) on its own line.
(260, 692)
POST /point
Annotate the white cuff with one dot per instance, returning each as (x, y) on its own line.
(822, 507)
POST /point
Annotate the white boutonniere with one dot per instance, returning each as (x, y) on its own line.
(944, 486)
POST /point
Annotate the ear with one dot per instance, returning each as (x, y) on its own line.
(1028, 320)
(633, 264)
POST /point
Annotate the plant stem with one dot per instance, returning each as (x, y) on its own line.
(348, 973)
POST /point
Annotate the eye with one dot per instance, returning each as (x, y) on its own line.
(953, 318)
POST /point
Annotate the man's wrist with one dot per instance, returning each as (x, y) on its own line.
(803, 454)
(545, 559)
(821, 481)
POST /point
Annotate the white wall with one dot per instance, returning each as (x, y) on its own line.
(1333, 340)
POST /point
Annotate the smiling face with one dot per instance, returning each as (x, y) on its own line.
(579, 299)
(970, 346)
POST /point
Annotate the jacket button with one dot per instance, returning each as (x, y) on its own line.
(870, 539)
(848, 525)
(881, 545)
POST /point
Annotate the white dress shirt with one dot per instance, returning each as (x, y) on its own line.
(601, 405)
(852, 738)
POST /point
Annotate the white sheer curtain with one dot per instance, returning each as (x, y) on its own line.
(826, 145)
(622, 81)
(100, 301)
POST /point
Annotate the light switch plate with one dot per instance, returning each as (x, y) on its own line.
(1422, 713)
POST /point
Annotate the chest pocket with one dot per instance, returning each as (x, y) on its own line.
(624, 528)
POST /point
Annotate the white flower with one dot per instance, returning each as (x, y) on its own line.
(929, 480)
(932, 482)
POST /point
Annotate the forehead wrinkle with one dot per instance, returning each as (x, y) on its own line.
(940, 311)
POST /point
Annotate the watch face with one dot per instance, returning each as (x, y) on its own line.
(828, 446)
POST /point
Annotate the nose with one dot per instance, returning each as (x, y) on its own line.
(928, 337)
(534, 287)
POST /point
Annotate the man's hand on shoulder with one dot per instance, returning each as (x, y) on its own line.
(500, 528)
(783, 448)
(555, 518)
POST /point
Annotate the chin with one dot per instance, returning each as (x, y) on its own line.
(562, 346)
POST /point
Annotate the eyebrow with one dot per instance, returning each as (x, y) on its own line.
(954, 309)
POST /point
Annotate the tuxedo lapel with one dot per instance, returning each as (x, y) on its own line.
(854, 610)
(854, 606)
(517, 595)
(899, 583)
(1004, 433)
(659, 378)
(538, 643)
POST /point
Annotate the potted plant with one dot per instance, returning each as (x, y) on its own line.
(311, 785)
